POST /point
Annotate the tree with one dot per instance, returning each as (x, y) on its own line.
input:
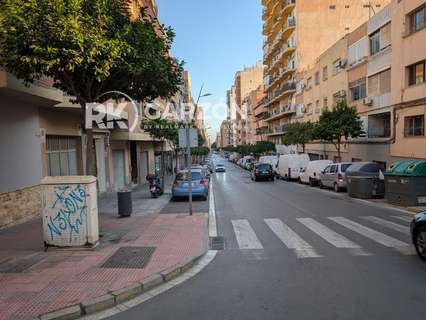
(87, 47)
(262, 147)
(341, 122)
(299, 133)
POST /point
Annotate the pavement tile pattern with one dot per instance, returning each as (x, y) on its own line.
(65, 277)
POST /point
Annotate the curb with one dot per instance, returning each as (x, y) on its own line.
(115, 298)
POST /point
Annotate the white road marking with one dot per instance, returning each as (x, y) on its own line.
(374, 235)
(291, 239)
(212, 213)
(389, 224)
(332, 237)
(246, 237)
(403, 218)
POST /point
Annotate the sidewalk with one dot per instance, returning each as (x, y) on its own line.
(35, 282)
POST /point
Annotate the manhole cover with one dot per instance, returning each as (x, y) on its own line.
(130, 258)
(217, 243)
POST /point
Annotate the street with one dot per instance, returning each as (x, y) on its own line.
(294, 252)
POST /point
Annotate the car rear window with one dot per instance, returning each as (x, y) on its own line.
(263, 166)
(344, 167)
(183, 176)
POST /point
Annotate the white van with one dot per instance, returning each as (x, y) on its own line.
(272, 160)
(246, 161)
(312, 173)
(289, 165)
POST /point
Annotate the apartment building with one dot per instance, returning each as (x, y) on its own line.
(246, 81)
(296, 33)
(408, 83)
(249, 119)
(321, 87)
(223, 137)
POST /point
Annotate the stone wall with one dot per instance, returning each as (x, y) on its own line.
(19, 206)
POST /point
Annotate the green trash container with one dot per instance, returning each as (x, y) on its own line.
(406, 183)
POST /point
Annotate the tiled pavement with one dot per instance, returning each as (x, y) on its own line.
(59, 278)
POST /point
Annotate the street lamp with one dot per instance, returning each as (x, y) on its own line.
(188, 146)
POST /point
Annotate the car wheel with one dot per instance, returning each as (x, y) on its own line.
(272, 179)
(420, 242)
(311, 182)
(336, 188)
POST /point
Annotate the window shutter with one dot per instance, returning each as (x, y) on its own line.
(385, 36)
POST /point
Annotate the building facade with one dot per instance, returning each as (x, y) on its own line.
(408, 83)
(246, 81)
(296, 33)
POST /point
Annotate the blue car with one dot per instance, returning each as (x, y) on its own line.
(199, 185)
(418, 234)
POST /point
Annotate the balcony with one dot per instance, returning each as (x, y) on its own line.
(284, 111)
(277, 130)
(41, 92)
(288, 6)
(287, 88)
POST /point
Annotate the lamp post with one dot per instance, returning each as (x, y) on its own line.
(188, 146)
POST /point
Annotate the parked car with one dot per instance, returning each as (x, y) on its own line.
(262, 171)
(246, 161)
(333, 176)
(220, 167)
(205, 170)
(311, 175)
(199, 185)
(289, 165)
(418, 234)
(272, 160)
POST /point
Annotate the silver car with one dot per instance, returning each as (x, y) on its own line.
(333, 176)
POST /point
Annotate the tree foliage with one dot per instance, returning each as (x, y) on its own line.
(341, 122)
(299, 133)
(87, 47)
(260, 147)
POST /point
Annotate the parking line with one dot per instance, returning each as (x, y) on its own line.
(291, 239)
(246, 237)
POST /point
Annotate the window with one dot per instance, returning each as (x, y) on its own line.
(375, 43)
(379, 84)
(61, 156)
(417, 19)
(416, 73)
(325, 103)
(309, 108)
(317, 106)
(325, 73)
(333, 169)
(358, 91)
(309, 83)
(414, 126)
(336, 67)
(358, 51)
(317, 78)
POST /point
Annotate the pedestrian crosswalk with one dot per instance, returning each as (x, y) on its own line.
(340, 233)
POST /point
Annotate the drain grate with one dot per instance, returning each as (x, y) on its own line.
(130, 258)
(217, 243)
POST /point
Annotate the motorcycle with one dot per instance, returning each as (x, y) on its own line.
(154, 185)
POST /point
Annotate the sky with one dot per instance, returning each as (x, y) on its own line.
(215, 39)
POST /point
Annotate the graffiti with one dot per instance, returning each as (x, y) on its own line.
(69, 212)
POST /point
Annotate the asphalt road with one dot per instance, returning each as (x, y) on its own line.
(293, 252)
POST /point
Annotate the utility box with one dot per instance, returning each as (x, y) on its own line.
(406, 183)
(365, 180)
(70, 211)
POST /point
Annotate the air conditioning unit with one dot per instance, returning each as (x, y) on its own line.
(368, 101)
(343, 63)
(342, 93)
(303, 86)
